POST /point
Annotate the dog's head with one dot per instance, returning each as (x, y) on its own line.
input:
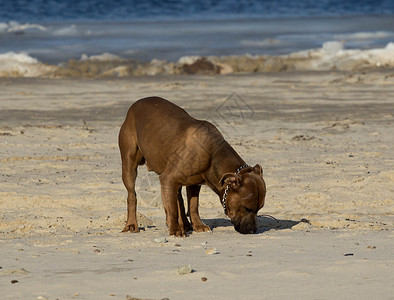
(245, 197)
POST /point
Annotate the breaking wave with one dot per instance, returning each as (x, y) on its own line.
(16, 27)
(331, 56)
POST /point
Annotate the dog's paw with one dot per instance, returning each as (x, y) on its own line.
(132, 228)
(201, 228)
(177, 231)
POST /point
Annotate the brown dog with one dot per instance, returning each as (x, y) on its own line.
(186, 152)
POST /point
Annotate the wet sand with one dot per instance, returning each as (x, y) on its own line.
(325, 141)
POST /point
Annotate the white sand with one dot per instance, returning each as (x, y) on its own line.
(325, 141)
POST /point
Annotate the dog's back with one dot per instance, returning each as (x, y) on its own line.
(159, 127)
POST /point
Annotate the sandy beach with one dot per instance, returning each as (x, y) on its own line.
(325, 141)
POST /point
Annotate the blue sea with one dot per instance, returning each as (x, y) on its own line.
(54, 31)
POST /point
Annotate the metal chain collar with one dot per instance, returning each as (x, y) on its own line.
(223, 200)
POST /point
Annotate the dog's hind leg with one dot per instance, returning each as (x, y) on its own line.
(169, 196)
(131, 158)
(182, 219)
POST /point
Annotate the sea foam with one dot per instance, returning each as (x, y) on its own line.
(101, 57)
(14, 26)
(331, 56)
(22, 65)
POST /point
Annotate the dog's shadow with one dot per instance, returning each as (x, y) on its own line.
(264, 223)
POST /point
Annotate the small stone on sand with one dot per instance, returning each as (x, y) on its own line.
(212, 251)
(160, 240)
(186, 269)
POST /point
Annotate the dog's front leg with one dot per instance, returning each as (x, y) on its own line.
(193, 192)
(169, 196)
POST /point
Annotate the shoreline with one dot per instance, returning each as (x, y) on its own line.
(331, 56)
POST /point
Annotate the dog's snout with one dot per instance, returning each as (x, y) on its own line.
(251, 229)
(248, 229)
(245, 225)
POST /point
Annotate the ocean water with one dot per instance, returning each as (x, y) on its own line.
(54, 31)
(132, 10)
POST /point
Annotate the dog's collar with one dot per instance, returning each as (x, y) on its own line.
(223, 200)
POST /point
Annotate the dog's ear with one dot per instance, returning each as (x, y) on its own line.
(231, 179)
(245, 170)
(258, 170)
